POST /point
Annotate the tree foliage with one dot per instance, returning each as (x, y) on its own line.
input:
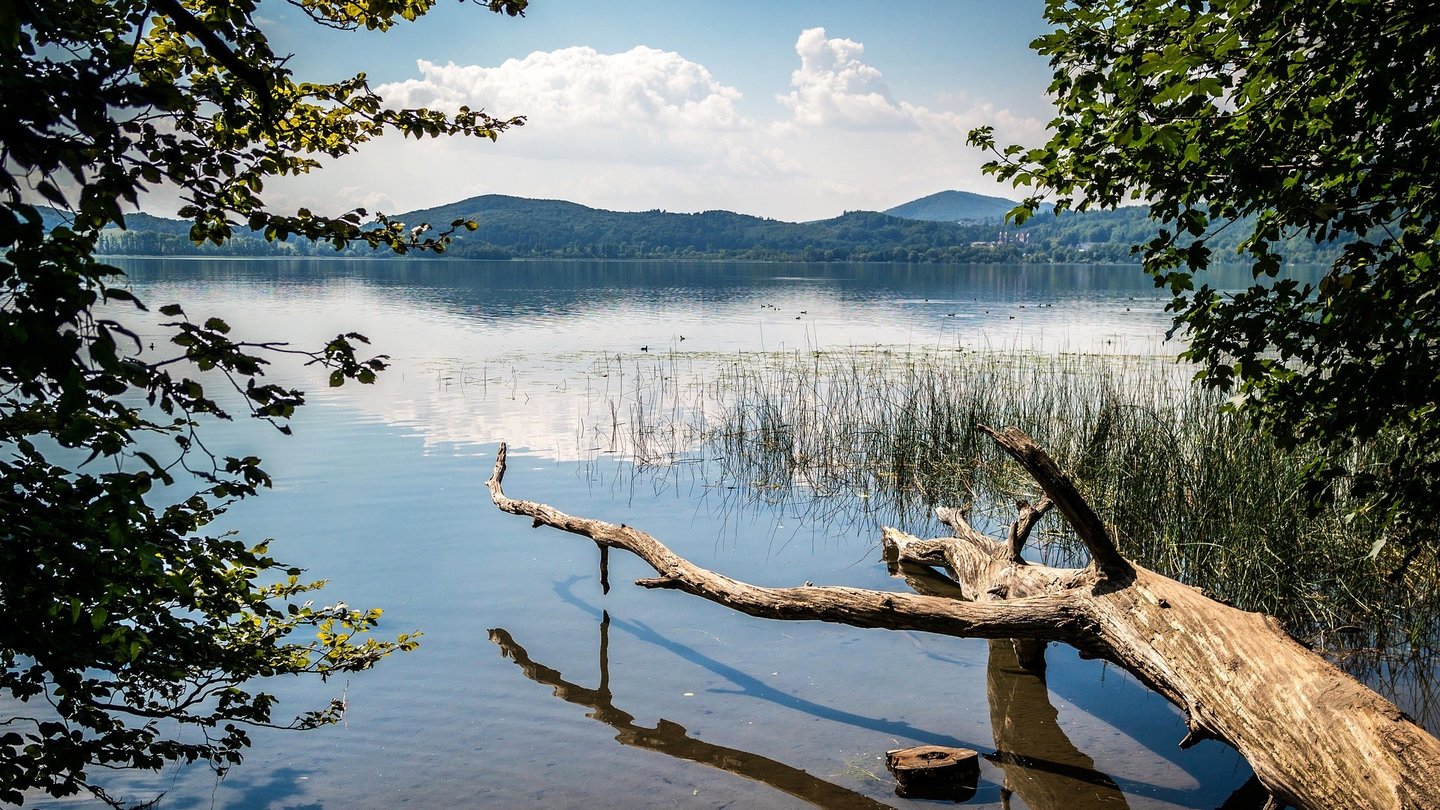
(1314, 120)
(128, 632)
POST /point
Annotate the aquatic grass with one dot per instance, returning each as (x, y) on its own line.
(1189, 489)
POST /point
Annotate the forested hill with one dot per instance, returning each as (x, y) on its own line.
(954, 206)
(517, 227)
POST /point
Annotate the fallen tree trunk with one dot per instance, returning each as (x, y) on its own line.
(1316, 738)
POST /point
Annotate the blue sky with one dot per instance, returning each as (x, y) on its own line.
(794, 110)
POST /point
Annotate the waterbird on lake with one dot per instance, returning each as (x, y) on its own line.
(644, 348)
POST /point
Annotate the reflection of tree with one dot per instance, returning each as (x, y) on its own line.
(671, 739)
(1040, 762)
(748, 685)
(1042, 766)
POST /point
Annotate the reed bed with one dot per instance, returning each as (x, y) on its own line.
(1189, 489)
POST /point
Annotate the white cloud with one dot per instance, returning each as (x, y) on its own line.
(635, 89)
(834, 88)
(643, 106)
(367, 198)
(647, 128)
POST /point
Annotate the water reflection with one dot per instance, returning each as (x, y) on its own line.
(670, 738)
(536, 353)
(541, 290)
(278, 784)
(750, 686)
(548, 355)
(1042, 766)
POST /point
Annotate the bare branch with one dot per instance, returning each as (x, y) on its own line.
(1020, 529)
(1054, 616)
(1060, 489)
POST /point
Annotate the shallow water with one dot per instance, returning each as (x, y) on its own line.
(530, 687)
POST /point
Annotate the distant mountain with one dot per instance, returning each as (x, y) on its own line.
(521, 228)
(134, 221)
(954, 206)
(522, 224)
(525, 228)
(516, 227)
(150, 222)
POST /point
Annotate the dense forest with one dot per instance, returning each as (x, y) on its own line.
(519, 228)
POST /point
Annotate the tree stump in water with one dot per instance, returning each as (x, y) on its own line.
(934, 772)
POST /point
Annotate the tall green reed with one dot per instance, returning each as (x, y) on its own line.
(1189, 489)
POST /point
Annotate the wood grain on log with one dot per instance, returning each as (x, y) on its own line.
(1021, 528)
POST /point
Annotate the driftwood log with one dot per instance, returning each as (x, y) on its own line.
(1316, 738)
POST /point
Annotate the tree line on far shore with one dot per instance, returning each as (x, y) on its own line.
(519, 228)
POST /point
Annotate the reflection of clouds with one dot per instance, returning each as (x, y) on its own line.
(567, 409)
(570, 407)
(555, 364)
(568, 404)
(559, 413)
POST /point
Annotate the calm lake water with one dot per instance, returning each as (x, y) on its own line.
(531, 689)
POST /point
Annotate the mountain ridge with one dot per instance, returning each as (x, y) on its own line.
(954, 206)
(511, 227)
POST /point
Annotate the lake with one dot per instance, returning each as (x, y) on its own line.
(531, 688)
